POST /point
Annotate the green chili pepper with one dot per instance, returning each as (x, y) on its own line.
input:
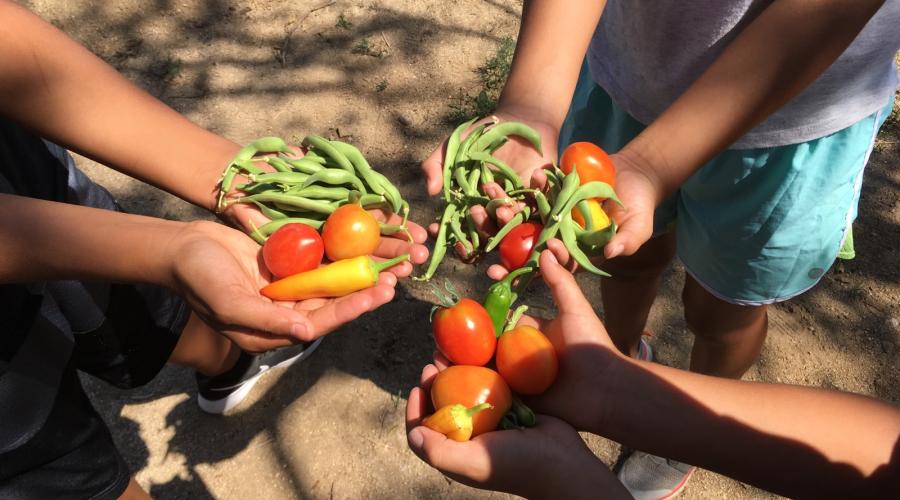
(500, 298)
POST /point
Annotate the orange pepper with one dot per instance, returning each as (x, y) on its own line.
(454, 421)
(333, 280)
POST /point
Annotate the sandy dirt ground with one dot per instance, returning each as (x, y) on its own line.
(332, 427)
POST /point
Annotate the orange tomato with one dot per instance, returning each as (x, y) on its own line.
(591, 162)
(470, 386)
(526, 360)
(350, 232)
(599, 217)
(465, 333)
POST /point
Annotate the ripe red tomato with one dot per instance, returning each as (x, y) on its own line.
(350, 232)
(591, 162)
(470, 386)
(526, 360)
(515, 248)
(465, 333)
(293, 248)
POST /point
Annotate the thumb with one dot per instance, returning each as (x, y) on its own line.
(566, 294)
(433, 169)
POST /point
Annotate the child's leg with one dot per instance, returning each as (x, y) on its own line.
(727, 337)
(628, 295)
(203, 349)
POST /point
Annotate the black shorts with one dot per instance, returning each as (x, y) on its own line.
(53, 443)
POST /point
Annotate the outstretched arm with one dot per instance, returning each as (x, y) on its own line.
(796, 441)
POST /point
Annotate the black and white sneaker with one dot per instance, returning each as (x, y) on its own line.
(223, 392)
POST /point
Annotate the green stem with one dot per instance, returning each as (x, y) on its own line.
(381, 266)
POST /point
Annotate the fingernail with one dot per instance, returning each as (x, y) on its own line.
(616, 250)
(416, 438)
(298, 330)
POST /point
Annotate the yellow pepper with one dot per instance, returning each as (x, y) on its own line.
(598, 218)
(454, 421)
(333, 280)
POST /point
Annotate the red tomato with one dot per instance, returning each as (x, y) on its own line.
(591, 162)
(465, 333)
(350, 232)
(470, 386)
(517, 245)
(526, 360)
(293, 248)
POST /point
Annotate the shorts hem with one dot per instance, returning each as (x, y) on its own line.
(743, 302)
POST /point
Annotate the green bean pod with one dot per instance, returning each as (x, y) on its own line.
(450, 155)
(487, 175)
(473, 178)
(313, 157)
(372, 200)
(472, 229)
(280, 177)
(324, 146)
(245, 153)
(460, 176)
(361, 166)
(569, 186)
(258, 187)
(567, 233)
(440, 243)
(593, 189)
(279, 164)
(585, 210)
(597, 238)
(495, 240)
(304, 165)
(335, 193)
(270, 227)
(248, 167)
(495, 203)
(398, 205)
(502, 168)
(295, 202)
(456, 229)
(506, 129)
(335, 177)
(462, 155)
(269, 212)
(543, 206)
(270, 145)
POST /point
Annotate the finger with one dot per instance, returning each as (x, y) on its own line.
(562, 254)
(493, 190)
(505, 213)
(389, 248)
(441, 361)
(497, 272)
(531, 321)
(400, 269)
(565, 291)
(418, 233)
(339, 311)
(635, 228)
(415, 408)
(433, 166)
(254, 314)
(538, 179)
(433, 229)
(444, 454)
(427, 377)
(482, 220)
(257, 343)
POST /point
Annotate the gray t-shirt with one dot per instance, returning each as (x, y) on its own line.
(646, 53)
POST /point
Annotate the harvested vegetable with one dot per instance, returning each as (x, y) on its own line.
(333, 280)
(350, 232)
(463, 331)
(293, 248)
(454, 421)
(526, 360)
(471, 386)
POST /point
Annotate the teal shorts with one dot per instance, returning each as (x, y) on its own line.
(752, 226)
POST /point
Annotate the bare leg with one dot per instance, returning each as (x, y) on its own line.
(629, 294)
(134, 492)
(727, 337)
(203, 349)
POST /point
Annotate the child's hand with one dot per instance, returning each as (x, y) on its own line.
(640, 195)
(546, 461)
(218, 272)
(587, 356)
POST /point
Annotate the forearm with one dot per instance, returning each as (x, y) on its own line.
(773, 59)
(57, 88)
(553, 39)
(796, 441)
(42, 240)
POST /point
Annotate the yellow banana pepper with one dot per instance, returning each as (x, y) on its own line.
(333, 280)
(454, 421)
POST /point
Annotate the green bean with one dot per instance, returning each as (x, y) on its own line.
(324, 145)
(303, 165)
(269, 211)
(275, 225)
(502, 168)
(279, 164)
(495, 203)
(245, 153)
(370, 200)
(567, 232)
(460, 175)
(361, 165)
(336, 193)
(598, 238)
(291, 201)
(289, 177)
(313, 157)
(569, 186)
(257, 187)
(543, 206)
(593, 189)
(450, 156)
(462, 154)
(585, 210)
(456, 229)
(496, 145)
(471, 228)
(270, 145)
(486, 174)
(391, 229)
(474, 176)
(505, 129)
(509, 226)
(335, 177)
(440, 244)
(248, 167)
(392, 194)
(225, 186)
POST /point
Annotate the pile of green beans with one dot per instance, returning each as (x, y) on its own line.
(469, 163)
(308, 189)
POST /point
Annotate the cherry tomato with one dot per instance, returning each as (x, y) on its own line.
(293, 248)
(526, 360)
(470, 386)
(515, 248)
(591, 162)
(465, 333)
(349, 232)
(599, 217)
